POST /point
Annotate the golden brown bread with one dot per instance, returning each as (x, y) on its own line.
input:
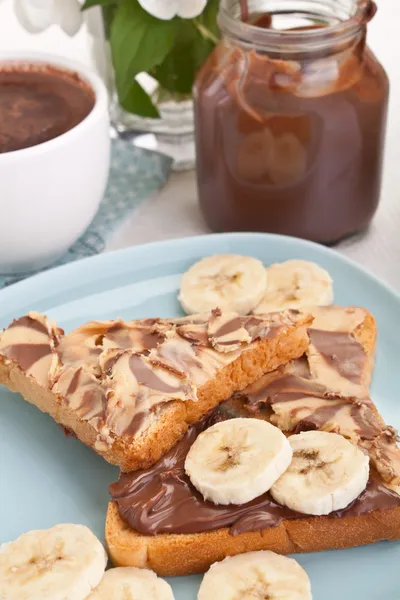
(171, 420)
(182, 554)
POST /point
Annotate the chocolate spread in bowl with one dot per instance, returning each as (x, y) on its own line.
(39, 103)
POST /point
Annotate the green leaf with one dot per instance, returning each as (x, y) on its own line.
(108, 17)
(176, 71)
(139, 42)
(139, 102)
(208, 17)
(89, 3)
(192, 47)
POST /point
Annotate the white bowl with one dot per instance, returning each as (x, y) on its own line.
(49, 193)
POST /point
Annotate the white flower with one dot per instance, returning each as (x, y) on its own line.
(168, 9)
(37, 15)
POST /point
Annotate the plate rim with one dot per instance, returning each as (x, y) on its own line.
(90, 262)
(103, 264)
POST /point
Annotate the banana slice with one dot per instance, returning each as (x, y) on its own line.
(327, 473)
(65, 562)
(227, 281)
(125, 583)
(256, 576)
(237, 460)
(295, 284)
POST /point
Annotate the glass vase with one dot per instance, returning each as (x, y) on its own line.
(173, 133)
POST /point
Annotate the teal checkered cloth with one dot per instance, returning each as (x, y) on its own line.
(135, 174)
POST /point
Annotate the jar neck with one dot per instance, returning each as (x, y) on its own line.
(296, 26)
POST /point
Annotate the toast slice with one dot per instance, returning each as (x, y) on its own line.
(159, 521)
(131, 390)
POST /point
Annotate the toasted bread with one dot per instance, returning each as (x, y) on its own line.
(193, 552)
(87, 383)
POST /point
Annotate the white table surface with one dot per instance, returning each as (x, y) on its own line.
(174, 211)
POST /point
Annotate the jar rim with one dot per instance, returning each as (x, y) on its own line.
(290, 40)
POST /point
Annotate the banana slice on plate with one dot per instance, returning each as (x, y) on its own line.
(295, 284)
(326, 474)
(125, 583)
(237, 460)
(65, 562)
(226, 281)
(256, 575)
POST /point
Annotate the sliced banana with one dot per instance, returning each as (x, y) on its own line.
(129, 583)
(65, 562)
(226, 281)
(327, 473)
(295, 284)
(237, 460)
(256, 576)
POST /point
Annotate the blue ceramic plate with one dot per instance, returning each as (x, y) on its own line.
(46, 478)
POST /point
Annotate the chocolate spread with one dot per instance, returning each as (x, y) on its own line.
(290, 142)
(163, 500)
(39, 103)
(115, 374)
(341, 351)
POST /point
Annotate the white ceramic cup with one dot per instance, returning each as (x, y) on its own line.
(49, 193)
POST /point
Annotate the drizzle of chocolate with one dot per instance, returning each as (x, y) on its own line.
(228, 328)
(145, 375)
(290, 388)
(257, 328)
(27, 354)
(285, 389)
(180, 361)
(138, 419)
(110, 362)
(93, 401)
(342, 351)
(89, 381)
(148, 337)
(367, 425)
(346, 355)
(30, 323)
(73, 386)
(194, 334)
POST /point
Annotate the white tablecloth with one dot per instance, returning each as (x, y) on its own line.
(174, 212)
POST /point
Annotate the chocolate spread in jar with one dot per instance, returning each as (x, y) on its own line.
(39, 103)
(291, 142)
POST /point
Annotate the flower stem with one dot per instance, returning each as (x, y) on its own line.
(206, 33)
(244, 9)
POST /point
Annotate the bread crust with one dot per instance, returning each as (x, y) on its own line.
(185, 554)
(172, 420)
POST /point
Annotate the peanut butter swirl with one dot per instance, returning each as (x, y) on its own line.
(31, 342)
(336, 359)
(309, 393)
(328, 390)
(116, 375)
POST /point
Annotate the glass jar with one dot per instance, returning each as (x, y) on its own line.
(290, 114)
(173, 133)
